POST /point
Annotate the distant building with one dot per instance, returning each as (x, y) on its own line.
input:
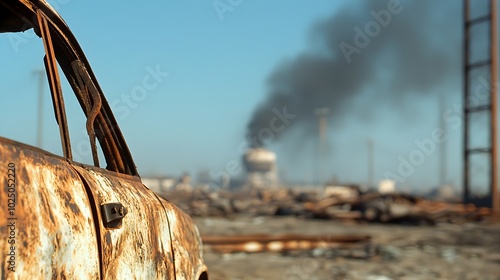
(159, 184)
(184, 183)
(387, 186)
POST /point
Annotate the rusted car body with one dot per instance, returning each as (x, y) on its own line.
(60, 219)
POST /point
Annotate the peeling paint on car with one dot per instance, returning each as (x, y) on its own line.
(50, 238)
(140, 247)
(188, 254)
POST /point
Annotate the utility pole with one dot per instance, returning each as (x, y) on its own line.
(39, 128)
(371, 164)
(322, 114)
(443, 166)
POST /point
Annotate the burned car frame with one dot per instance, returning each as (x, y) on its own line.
(67, 220)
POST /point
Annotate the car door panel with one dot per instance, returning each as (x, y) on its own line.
(141, 247)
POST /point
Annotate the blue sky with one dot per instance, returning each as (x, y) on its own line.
(217, 67)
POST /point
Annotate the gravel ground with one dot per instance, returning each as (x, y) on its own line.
(444, 251)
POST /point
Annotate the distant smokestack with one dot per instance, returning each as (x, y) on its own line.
(384, 50)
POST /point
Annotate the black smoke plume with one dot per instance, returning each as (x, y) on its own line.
(413, 51)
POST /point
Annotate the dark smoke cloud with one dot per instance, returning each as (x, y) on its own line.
(412, 55)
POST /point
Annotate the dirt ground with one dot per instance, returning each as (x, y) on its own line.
(443, 251)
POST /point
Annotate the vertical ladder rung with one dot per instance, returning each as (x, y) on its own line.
(478, 20)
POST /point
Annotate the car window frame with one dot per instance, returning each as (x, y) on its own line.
(62, 48)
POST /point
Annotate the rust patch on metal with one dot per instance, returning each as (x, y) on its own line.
(107, 237)
(71, 204)
(186, 243)
(50, 238)
(140, 248)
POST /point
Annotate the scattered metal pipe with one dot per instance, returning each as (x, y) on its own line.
(279, 243)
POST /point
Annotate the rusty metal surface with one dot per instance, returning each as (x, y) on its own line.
(55, 84)
(87, 88)
(186, 243)
(495, 195)
(58, 231)
(140, 248)
(470, 21)
(54, 234)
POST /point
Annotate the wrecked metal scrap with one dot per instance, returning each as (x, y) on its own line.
(370, 206)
